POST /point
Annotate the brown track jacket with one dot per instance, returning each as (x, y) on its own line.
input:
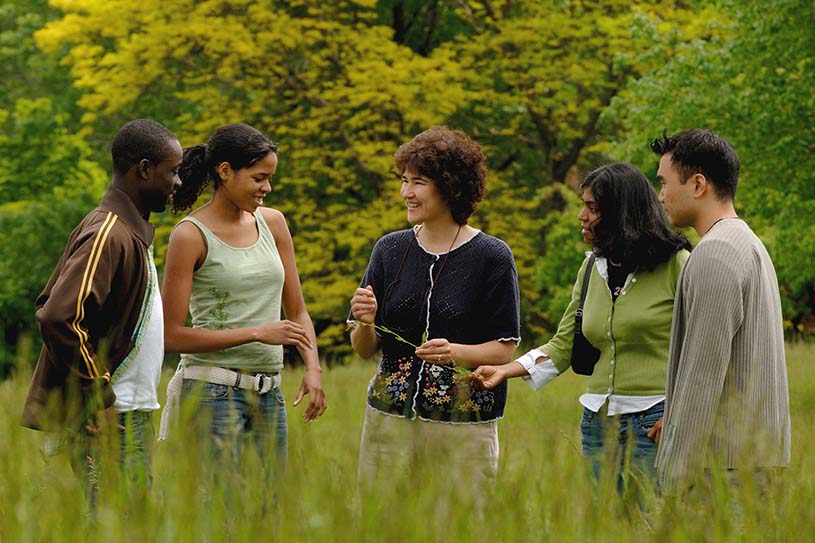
(87, 314)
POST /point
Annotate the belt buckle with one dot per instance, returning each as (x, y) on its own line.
(262, 383)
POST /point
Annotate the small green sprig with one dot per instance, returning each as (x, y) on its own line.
(459, 371)
(385, 330)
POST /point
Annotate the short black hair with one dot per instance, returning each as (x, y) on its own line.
(633, 228)
(453, 161)
(701, 151)
(137, 140)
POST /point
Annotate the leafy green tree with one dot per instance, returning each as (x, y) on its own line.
(540, 76)
(320, 78)
(48, 182)
(341, 84)
(25, 71)
(753, 83)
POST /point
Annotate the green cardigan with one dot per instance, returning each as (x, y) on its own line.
(633, 333)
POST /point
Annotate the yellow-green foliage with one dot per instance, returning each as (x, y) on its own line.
(752, 82)
(543, 492)
(334, 91)
(48, 182)
(529, 80)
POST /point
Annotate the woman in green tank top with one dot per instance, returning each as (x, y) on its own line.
(231, 264)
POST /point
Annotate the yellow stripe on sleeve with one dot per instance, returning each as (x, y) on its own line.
(85, 290)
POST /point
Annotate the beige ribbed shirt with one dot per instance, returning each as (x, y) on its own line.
(727, 400)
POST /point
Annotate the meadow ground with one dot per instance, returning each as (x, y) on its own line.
(543, 493)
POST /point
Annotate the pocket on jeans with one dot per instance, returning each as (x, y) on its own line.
(205, 391)
(278, 395)
(587, 418)
(650, 418)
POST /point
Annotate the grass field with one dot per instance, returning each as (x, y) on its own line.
(543, 493)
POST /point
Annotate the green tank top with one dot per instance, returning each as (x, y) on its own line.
(238, 287)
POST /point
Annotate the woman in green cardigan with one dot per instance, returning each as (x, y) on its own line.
(626, 315)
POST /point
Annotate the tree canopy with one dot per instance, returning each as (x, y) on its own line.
(551, 89)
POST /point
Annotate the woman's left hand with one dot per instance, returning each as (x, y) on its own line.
(436, 351)
(312, 385)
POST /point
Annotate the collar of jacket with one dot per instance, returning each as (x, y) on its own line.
(118, 202)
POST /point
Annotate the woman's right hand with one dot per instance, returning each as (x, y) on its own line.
(490, 376)
(283, 333)
(363, 305)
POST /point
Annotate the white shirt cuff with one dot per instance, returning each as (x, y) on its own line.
(539, 374)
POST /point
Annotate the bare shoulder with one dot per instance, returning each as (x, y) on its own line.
(187, 246)
(186, 233)
(275, 220)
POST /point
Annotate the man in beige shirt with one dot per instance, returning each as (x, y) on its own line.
(727, 400)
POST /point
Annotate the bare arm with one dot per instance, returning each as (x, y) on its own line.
(186, 251)
(496, 353)
(492, 376)
(295, 308)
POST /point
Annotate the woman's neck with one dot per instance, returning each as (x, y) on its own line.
(439, 237)
(220, 206)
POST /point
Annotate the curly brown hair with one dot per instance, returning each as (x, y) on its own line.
(455, 164)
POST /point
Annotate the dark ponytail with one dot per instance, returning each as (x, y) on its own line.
(238, 144)
(194, 176)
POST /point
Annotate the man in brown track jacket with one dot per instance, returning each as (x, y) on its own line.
(727, 405)
(97, 314)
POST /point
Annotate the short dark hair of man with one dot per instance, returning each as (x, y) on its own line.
(137, 140)
(632, 228)
(701, 151)
(453, 161)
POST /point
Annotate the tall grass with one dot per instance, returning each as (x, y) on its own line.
(544, 491)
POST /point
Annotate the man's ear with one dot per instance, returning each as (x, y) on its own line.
(700, 184)
(143, 168)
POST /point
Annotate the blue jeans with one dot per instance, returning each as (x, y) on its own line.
(621, 442)
(135, 438)
(136, 446)
(233, 416)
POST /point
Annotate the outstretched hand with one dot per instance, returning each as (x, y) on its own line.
(312, 386)
(490, 376)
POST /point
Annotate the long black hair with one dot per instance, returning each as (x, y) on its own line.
(632, 228)
(238, 144)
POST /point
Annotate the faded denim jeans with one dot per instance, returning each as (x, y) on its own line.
(621, 442)
(234, 417)
(135, 443)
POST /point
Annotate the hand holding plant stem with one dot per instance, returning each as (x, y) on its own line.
(428, 350)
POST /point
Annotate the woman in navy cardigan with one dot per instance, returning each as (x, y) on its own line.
(436, 299)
